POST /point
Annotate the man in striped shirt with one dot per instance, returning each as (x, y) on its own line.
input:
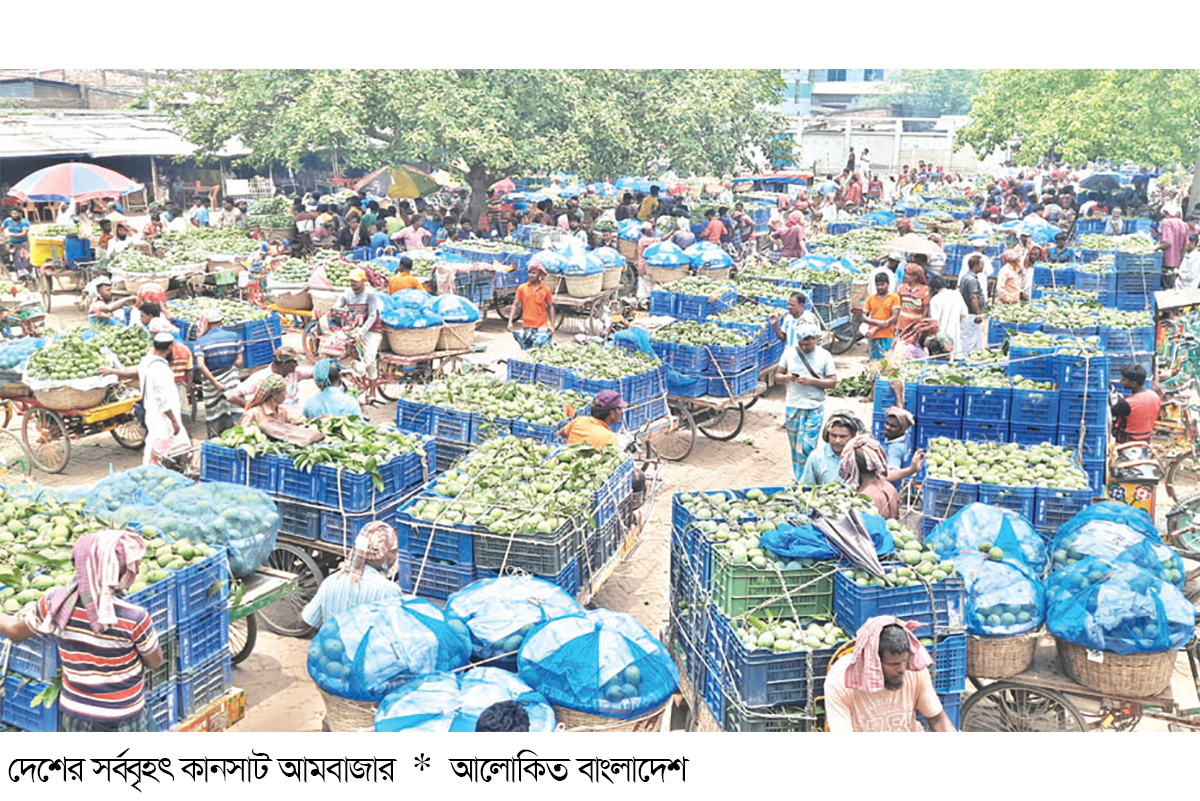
(104, 642)
(360, 580)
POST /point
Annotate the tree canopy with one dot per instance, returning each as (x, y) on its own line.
(485, 123)
(932, 93)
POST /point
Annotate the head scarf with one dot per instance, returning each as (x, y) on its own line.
(903, 416)
(865, 671)
(104, 564)
(376, 540)
(156, 293)
(783, 202)
(321, 373)
(274, 384)
(874, 456)
(936, 238)
(795, 218)
(537, 269)
(926, 326)
(916, 271)
(946, 341)
(1010, 256)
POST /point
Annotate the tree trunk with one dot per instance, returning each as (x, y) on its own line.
(479, 179)
(1194, 196)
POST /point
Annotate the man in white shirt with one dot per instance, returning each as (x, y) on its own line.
(979, 242)
(161, 400)
(1188, 275)
(807, 371)
(785, 326)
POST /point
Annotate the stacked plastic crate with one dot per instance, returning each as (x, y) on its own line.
(722, 371)
(645, 392)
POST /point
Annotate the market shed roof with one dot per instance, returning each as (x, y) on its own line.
(96, 136)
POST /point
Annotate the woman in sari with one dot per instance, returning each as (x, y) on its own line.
(914, 296)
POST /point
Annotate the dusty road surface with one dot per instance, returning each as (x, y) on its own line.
(279, 694)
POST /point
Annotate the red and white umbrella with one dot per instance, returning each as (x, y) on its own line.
(72, 181)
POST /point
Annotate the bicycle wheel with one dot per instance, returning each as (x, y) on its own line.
(45, 288)
(15, 464)
(46, 436)
(243, 634)
(676, 445)
(283, 616)
(720, 424)
(7, 413)
(389, 386)
(1183, 476)
(1013, 707)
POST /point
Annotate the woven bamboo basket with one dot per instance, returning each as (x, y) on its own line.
(1001, 657)
(342, 714)
(858, 295)
(413, 341)
(295, 301)
(584, 286)
(15, 389)
(665, 275)
(456, 336)
(573, 720)
(720, 274)
(627, 248)
(554, 283)
(62, 399)
(323, 299)
(612, 278)
(1130, 675)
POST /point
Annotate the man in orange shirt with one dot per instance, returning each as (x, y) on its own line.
(881, 311)
(715, 228)
(596, 428)
(404, 279)
(1134, 416)
(536, 307)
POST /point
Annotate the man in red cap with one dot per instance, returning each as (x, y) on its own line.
(535, 304)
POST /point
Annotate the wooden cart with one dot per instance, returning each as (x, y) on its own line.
(717, 418)
(260, 589)
(47, 433)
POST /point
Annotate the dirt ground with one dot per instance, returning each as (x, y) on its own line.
(279, 694)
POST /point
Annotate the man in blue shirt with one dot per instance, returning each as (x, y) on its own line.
(1060, 251)
(823, 463)
(379, 239)
(218, 356)
(16, 231)
(898, 436)
(199, 212)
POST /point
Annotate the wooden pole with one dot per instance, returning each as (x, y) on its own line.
(153, 180)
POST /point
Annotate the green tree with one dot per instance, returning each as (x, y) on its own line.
(485, 123)
(932, 93)
(1148, 116)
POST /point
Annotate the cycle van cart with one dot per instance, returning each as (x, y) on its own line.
(47, 433)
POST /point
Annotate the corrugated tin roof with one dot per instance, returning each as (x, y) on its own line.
(96, 136)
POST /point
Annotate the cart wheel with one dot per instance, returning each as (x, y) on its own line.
(594, 325)
(1183, 476)
(7, 412)
(721, 425)
(844, 338)
(46, 436)
(675, 446)
(130, 434)
(44, 286)
(389, 386)
(243, 633)
(15, 465)
(1014, 707)
(283, 616)
(503, 305)
(312, 341)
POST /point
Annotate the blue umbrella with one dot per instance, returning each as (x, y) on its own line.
(666, 254)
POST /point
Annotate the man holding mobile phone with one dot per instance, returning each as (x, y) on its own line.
(807, 370)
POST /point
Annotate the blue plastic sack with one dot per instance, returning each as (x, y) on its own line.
(880, 218)
(1116, 542)
(499, 612)
(707, 256)
(1114, 512)
(803, 541)
(455, 309)
(666, 254)
(606, 258)
(686, 386)
(145, 485)
(366, 652)
(634, 339)
(976, 523)
(243, 519)
(575, 258)
(408, 299)
(444, 702)
(15, 352)
(629, 229)
(1118, 607)
(408, 317)
(1002, 597)
(602, 663)
(553, 262)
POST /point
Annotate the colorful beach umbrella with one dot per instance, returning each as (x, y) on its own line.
(72, 181)
(398, 182)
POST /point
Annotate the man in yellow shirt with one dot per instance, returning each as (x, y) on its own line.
(404, 279)
(649, 205)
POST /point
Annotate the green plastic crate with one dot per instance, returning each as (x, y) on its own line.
(805, 592)
(770, 719)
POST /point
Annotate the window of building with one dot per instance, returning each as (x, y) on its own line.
(835, 75)
(872, 75)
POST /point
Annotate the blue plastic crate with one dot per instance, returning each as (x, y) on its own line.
(1129, 301)
(998, 331)
(644, 412)
(201, 686)
(878, 422)
(218, 463)
(163, 702)
(441, 543)
(885, 398)
(951, 706)
(15, 709)
(662, 304)
(298, 484)
(941, 498)
(451, 425)
(1034, 407)
(929, 429)
(1076, 333)
(431, 579)
(513, 279)
(161, 601)
(202, 585)
(416, 418)
(940, 606)
(567, 580)
(1097, 472)
(645, 386)
(258, 354)
(928, 524)
(1036, 364)
(1089, 226)
(556, 377)
(1116, 362)
(986, 404)
(769, 355)
(949, 667)
(1142, 283)
(202, 638)
(1088, 255)
(299, 520)
(523, 372)
(731, 360)
(541, 554)
(1095, 282)
(1078, 408)
(1057, 276)
(939, 402)
(1032, 435)
(448, 454)
(687, 359)
(1056, 506)
(342, 528)
(1021, 500)
(734, 386)
(1138, 262)
(36, 658)
(1081, 372)
(1124, 340)
(762, 677)
(985, 432)
(698, 307)
(1095, 441)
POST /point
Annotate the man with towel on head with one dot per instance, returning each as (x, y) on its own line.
(884, 682)
(362, 577)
